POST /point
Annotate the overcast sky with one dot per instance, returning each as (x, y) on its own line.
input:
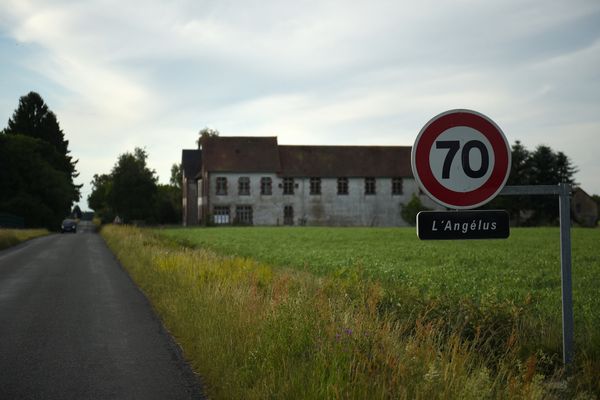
(125, 74)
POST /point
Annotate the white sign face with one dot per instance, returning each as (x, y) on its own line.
(461, 159)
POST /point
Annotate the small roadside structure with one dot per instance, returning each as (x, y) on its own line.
(584, 209)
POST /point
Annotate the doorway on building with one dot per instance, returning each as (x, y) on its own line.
(288, 215)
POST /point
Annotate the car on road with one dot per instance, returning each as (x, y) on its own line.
(69, 225)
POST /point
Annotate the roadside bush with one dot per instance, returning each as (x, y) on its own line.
(12, 237)
(411, 209)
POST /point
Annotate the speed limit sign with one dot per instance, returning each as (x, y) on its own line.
(461, 159)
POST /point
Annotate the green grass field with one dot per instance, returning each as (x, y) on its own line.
(527, 265)
(369, 313)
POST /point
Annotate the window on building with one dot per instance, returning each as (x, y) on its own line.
(244, 186)
(396, 185)
(221, 215)
(288, 215)
(288, 185)
(243, 215)
(221, 186)
(370, 185)
(266, 185)
(342, 184)
(315, 185)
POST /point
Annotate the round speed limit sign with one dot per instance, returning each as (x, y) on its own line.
(461, 159)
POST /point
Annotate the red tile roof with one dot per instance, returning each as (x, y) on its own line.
(241, 154)
(263, 154)
(345, 161)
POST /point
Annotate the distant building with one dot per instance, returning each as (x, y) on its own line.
(584, 209)
(256, 181)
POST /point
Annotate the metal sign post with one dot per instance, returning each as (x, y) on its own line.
(563, 191)
(473, 178)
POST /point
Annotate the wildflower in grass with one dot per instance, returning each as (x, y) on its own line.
(344, 334)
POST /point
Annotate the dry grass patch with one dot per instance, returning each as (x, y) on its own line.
(12, 237)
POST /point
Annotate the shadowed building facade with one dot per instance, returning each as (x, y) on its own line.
(256, 181)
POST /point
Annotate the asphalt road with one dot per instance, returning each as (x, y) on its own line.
(74, 326)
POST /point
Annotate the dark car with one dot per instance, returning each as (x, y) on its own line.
(69, 225)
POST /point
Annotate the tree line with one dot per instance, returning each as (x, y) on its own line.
(36, 170)
(37, 177)
(131, 192)
(542, 166)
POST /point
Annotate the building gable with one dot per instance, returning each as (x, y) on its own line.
(191, 163)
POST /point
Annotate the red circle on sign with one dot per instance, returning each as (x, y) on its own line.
(422, 168)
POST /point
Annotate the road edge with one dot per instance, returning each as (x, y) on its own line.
(195, 384)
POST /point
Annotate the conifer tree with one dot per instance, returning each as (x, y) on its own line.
(36, 170)
(33, 118)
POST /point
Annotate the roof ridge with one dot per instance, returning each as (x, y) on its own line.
(242, 137)
(341, 145)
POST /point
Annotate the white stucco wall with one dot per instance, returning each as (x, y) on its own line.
(328, 208)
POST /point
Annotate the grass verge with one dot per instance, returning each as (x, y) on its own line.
(12, 237)
(252, 331)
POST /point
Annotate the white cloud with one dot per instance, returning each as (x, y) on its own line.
(150, 73)
(74, 58)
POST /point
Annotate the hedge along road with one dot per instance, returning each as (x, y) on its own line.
(74, 326)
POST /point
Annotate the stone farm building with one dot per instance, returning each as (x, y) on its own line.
(256, 181)
(584, 208)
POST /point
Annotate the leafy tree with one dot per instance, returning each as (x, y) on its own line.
(31, 187)
(34, 119)
(37, 171)
(565, 170)
(168, 204)
(411, 209)
(520, 174)
(520, 169)
(548, 168)
(176, 176)
(206, 133)
(134, 187)
(543, 166)
(131, 192)
(98, 200)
